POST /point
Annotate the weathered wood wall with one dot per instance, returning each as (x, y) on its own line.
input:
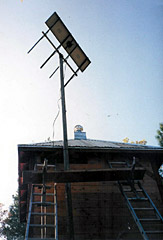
(99, 209)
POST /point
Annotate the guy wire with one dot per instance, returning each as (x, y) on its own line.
(56, 117)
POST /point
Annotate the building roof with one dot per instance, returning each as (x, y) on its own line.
(91, 144)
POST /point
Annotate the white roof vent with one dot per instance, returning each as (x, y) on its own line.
(78, 133)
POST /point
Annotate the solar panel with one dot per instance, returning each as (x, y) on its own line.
(60, 31)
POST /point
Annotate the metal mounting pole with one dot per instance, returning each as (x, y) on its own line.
(65, 153)
(64, 122)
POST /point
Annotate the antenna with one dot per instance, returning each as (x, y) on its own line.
(67, 41)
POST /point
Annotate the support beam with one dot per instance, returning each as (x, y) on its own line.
(96, 175)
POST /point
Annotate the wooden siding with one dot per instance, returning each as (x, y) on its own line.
(99, 209)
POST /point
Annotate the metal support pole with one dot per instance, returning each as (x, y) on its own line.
(64, 122)
(65, 154)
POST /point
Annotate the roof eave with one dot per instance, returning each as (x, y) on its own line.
(23, 147)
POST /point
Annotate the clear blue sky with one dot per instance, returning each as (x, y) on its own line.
(119, 95)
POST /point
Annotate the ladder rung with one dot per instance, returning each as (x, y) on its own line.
(150, 220)
(144, 209)
(42, 226)
(43, 203)
(42, 165)
(41, 194)
(130, 190)
(43, 214)
(154, 232)
(138, 199)
(41, 238)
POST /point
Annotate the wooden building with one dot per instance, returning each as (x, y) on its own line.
(103, 174)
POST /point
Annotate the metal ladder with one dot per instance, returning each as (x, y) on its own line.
(143, 210)
(42, 220)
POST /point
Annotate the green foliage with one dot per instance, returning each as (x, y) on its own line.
(3, 214)
(11, 228)
(159, 135)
